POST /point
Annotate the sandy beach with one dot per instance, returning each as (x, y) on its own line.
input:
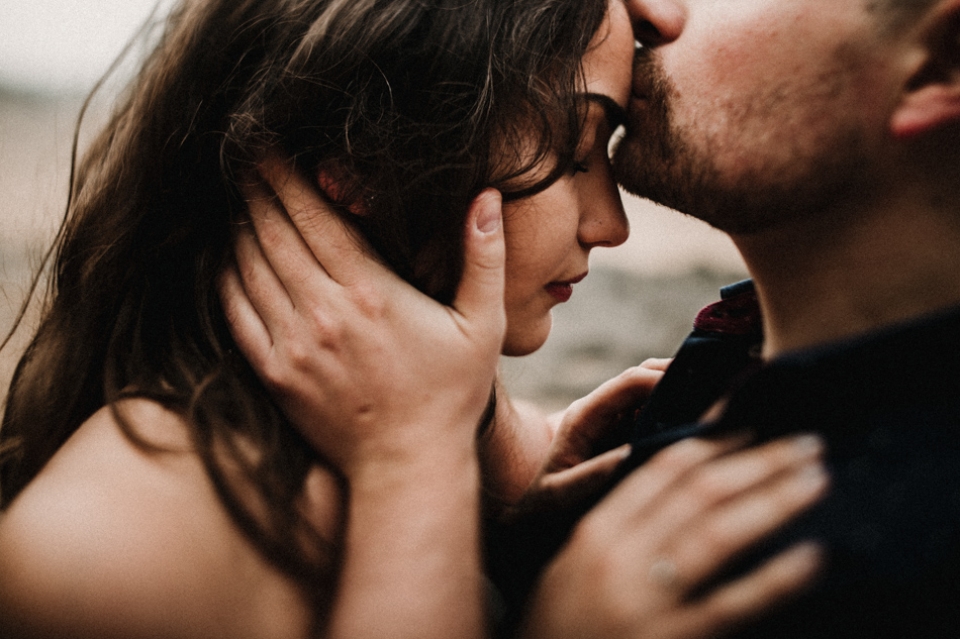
(637, 302)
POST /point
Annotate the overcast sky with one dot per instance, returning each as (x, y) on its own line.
(55, 45)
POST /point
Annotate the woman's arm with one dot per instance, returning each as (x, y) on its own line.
(382, 352)
(533, 457)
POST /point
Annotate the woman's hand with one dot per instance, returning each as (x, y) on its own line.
(389, 385)
(635, 561)
(366, 367)
(534, 461)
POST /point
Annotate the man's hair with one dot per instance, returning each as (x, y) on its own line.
(406, 101)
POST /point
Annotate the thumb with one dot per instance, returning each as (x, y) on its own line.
(570, 486)
(480, 293)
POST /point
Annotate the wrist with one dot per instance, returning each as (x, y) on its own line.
(405, 445)
(417, 464)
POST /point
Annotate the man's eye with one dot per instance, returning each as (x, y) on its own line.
(580, 167)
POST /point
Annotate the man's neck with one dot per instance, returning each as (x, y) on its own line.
(828, 280)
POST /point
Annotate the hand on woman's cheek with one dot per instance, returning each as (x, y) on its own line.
(368, 369)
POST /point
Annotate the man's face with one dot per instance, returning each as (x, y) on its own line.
(749, 112)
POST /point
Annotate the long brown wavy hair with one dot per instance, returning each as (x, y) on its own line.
(410, 101)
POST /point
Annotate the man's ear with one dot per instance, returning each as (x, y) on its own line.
(931, 99)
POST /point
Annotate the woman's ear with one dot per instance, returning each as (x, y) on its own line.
(931, 99)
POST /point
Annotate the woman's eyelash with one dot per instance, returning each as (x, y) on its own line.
(580, 167)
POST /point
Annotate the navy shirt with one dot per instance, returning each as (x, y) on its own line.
(888, 407)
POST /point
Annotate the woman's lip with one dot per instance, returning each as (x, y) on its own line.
(561, 291)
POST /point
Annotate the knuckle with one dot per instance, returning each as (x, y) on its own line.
(715, 538)
(708, 487)
(297, 356)
(323, 333)
(651, 363)
(274, 374)
(654, 367)
(679, 456)
(368, 300)
(577, 408)
(592, 534)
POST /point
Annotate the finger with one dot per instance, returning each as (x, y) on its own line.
(596, 413)
(288, 255)
(265, 292)
(334, 245)
(657, 363)
(480, 293)
(710, 485)
(255, 192)
(634, 495)
(741, 523)
(245, 324)
(777, 581)
(744, 469)
(575, 484)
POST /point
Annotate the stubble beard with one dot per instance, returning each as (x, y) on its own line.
(660, 161)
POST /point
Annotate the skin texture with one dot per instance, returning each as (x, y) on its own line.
(109, 539)
(827, 266)
(549, 235)
(820, 138)
(890, 254)
(743, 111)
(528, 459)
(701, 494)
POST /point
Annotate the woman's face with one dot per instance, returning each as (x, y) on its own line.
(549, 235)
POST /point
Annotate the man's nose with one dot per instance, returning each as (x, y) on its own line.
(657, 22)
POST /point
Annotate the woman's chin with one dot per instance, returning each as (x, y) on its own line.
(518, 343)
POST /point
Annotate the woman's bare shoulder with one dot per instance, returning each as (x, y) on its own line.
(112, 539)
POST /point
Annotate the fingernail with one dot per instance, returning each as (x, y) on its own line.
(808, 444)
(807, 551)
(488, 218)
(813, 476)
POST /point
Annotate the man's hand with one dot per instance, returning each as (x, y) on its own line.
(637, 564)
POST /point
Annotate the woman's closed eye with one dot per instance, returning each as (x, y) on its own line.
(600, 130)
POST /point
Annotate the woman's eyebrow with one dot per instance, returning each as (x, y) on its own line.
(616, 114)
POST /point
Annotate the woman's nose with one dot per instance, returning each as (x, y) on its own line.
(603, 221)
(656, 22)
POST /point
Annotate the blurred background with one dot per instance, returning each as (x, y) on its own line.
(638, 302)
